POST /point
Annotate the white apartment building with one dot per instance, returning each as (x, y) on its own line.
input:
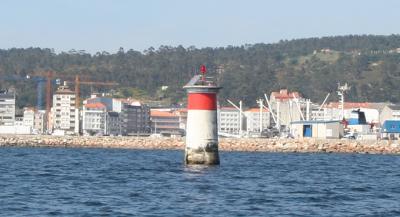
(65, 115)
(253, 117)
(39, 126)
(228, 120)
(94, 119)
(29, 117)
(7, 108)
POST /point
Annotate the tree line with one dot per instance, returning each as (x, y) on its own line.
(312, 66)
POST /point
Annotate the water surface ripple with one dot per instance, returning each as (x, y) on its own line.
(114, 182)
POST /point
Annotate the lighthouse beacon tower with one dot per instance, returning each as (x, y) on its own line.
(202, 128)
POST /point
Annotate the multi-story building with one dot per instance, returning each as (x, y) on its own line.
(94, 119)
(228, 120)
(29, 117)
(135, 119)
(112, 104)
(253, 119)
(182, 113)
(19, 120)
(40, 120)
(65, 115)
(113, 124)
(166, 122)
(7, 108)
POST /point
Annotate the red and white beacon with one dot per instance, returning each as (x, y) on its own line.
(202, 127)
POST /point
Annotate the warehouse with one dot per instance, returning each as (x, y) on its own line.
(317, 129)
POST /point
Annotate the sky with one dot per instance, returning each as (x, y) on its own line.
(107, 25)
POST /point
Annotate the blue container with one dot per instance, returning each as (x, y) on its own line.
(391, 126)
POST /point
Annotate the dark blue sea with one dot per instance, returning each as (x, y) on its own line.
(116, 182)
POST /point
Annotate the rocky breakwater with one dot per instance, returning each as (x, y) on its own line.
(92, 142)
(312, 145)
(225, 144)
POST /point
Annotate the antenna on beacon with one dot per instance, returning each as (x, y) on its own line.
(203, 71)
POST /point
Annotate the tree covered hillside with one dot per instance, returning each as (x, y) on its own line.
(314, 66)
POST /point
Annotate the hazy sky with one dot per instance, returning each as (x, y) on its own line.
(97, 25)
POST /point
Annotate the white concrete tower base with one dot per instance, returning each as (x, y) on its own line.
(202, 126)
(202, 138)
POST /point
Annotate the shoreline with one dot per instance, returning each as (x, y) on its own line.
(225, 144)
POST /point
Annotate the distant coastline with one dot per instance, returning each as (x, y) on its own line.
(225, 144)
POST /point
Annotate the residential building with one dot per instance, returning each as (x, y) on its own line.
(94, 119)
(29, 117)
(7, 108)
(65, 114)
(19, 120)
(39, 125)
(112, 104)
(229, 120)
(182, 113)
(113, 124)
(135, 119)
(166, 122)
(253, 119)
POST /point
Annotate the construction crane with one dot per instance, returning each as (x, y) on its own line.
(43, 77)
(78, 82)
(40, 81)
(49, 77)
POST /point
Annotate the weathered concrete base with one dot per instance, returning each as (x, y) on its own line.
(205, 156)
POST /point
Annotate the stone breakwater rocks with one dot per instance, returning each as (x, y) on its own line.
(225, 144)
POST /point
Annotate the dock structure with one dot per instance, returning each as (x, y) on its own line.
(202, 127)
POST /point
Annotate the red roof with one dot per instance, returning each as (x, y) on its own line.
(156, 113)
(284, 94)
(96, 105)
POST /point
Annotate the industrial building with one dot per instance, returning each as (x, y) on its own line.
(288, 107)
(390, 112)
(333, 110)
(317, 129)
(391, 129)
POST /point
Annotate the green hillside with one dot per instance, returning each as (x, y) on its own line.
(314, 66)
